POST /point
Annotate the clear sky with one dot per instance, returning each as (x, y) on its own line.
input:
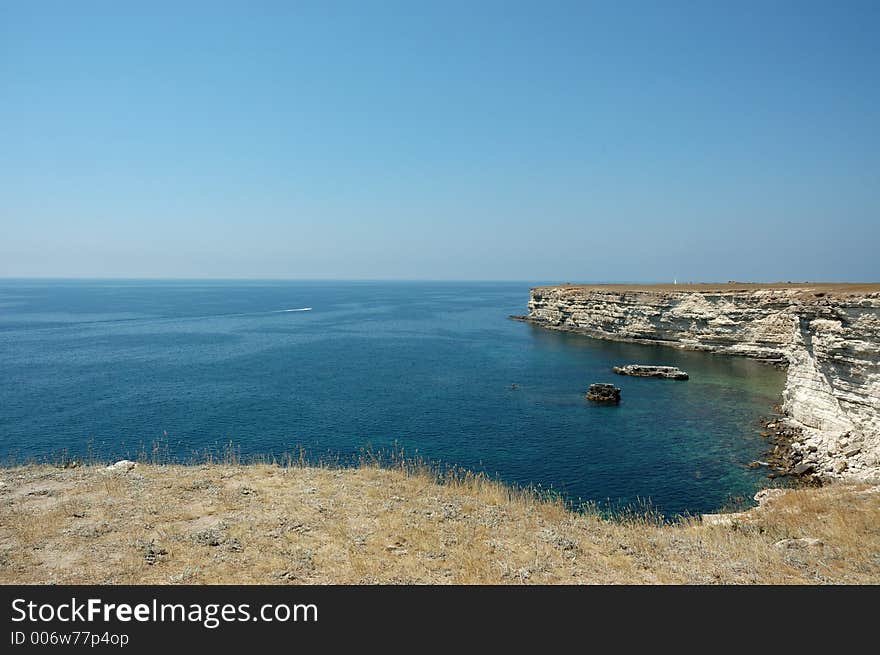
(554, 141)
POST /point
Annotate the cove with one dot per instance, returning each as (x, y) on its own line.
(434, 368)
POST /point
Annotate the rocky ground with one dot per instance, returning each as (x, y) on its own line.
(228, 523)
(784, 457)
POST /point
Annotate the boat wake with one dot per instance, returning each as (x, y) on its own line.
(300, 309)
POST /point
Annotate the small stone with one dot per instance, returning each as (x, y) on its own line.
(803, 542)
(804, 468)
(839, 467)
(398, 547)
(122, 466)
(722, 519)
(766, 496)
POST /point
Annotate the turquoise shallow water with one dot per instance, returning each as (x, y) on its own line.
(111, 366)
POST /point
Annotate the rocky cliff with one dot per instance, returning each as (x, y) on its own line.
(828, 337)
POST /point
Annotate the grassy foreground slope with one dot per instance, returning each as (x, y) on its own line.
(227, 523)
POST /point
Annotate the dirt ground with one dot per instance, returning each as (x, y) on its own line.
(223, 523)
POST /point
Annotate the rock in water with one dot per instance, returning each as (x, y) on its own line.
(603, 393)
(650, 371)
(831, 357)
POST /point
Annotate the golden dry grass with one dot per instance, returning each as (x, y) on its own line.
(227, 523)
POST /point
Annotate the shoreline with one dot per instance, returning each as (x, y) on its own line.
(781, 458)
(773, 360)
(261, 523)
(825, 335)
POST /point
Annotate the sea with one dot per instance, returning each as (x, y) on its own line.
(341, 371)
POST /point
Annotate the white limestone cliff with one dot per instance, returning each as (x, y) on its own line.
(829, 342)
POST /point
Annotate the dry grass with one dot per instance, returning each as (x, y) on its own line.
(227, 523)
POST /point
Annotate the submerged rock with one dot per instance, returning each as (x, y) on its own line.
(603, 393)
(651, 371)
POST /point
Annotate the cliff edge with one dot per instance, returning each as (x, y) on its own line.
(827, 335)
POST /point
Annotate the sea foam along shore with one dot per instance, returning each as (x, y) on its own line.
(260, 523)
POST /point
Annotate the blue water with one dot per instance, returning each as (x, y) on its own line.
(107, 367)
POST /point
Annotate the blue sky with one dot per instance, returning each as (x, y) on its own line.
(638, 141)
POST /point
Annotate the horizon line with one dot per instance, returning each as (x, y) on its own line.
(572, 281)
(294, 279)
